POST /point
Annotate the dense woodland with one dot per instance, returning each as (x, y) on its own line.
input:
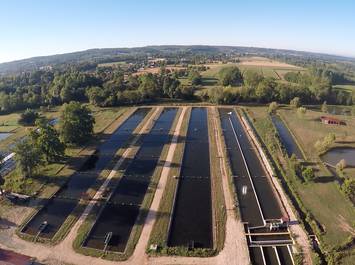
(85, 81)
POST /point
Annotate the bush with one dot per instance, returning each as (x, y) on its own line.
(295, 102)
(308, 174)
(230, 76)
(273, 107)
(28, 118)
(301, 112)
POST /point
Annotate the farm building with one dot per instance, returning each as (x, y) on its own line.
(330, 120)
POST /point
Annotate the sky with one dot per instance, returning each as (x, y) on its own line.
(43, 27)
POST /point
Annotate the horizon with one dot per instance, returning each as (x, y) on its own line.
(185, 45)
(49, 28)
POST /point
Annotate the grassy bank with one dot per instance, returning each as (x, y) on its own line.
(326, 209)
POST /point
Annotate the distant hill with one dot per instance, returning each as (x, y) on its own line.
(117, 54)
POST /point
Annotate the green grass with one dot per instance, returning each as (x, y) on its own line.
(322, 199)
(347, 88)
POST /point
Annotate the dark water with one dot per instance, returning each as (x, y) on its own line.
(121, 212)
(192, 216)
(334, 155)
(59, 207)
(256, 256)
(247, 202)
(268, 201)
(270, 256)
(284, 255)
(286, 138)
(4, 135)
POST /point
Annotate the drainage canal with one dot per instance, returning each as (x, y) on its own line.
(113, 227)
(192, 216)
(50, 218)
(286, 137)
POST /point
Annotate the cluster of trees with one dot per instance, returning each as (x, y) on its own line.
(254, 87)
(101, 87)
(116, 86)
(47, 145)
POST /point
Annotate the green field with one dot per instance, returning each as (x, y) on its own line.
(321, 198)
(348, 88)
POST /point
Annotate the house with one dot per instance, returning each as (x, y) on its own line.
(330, 120)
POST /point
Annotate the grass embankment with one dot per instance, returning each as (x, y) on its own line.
(137, 228)
(324, 206)
(52, 182)
(219, 207)
(159, 234)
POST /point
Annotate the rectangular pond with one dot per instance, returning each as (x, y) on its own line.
(192, 215)
(247, 200)
(57, 209)
(120, 213)
(270, 206)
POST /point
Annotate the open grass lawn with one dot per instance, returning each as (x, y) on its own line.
(8, 122)
(309, 129)
(322, 198)
(348, 88)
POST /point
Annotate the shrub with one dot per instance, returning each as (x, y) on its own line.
(308, 174)
(28, 118)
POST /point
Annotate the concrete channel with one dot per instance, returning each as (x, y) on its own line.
(191, 224)
(113, 228)
(49, 219)
(258, 204)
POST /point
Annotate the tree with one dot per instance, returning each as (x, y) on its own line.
(301, 112)
(148, 86)
(349, 188)
(295, 102)
(265, 90)
(324, 107)
(47, 141)
(76, 123)
(272, 107)
(28, 118)
(27, 156)
(252, 79)
(195, 77)
(308, 174)
(230, 76)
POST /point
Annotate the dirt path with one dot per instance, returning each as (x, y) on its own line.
(63, 252)
(235, 249)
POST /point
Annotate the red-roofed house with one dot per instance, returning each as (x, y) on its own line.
(330, 120)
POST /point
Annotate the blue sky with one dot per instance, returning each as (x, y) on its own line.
(42, 27)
